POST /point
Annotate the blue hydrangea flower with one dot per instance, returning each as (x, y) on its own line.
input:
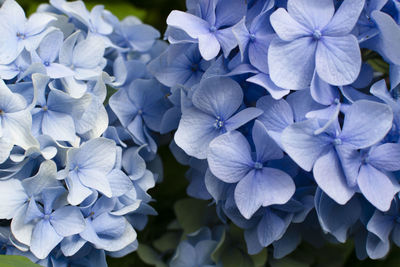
(315, 145)
(18, 32)
(212, 114)
(230, 159)
(211, 25)
(312, 37)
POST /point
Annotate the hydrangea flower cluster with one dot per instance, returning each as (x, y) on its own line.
(74, 173)
(283, 121)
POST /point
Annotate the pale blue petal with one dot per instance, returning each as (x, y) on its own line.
(270, 228)
(229, 157)
(242, 117)
(44, 239)
(376, 187)
(313, 14)
(209, 46)
(222, 102)
(119, 182)
(265, 81)
(338, 59)
(292, 64)
(302, 145)
(330, 178)
(67, 221)
(385, 157)
(266, 148)
(345, 18)
(13, 196)
(59, 126)
(287, 28)
(366, 123)
(77, 191)
(192, 25)
(381, 225)
(337, 219)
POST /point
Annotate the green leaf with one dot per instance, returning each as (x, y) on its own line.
(216, 255)
(379, 65)
(168, 241)
(191, 214)
(121, 10)
(287, 262)
(235, 258)
(260, 259)
(16, 261)
(148, 255)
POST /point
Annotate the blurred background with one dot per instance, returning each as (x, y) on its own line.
(153, 12)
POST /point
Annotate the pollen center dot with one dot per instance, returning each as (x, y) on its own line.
(337, 141)
(258, 165)
(317, 34)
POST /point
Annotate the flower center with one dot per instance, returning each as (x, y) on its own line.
(194, 67)
(46, 217)
(45, 108)
(252, 37)
(21, 36)
(46, 63)
(258, 165)
(213, 29)
(219, 123)
(337, 141)
(140, 112)
(317, 34)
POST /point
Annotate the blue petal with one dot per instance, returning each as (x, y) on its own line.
(192, 25)
(250, 191)
(366, 123)
(337, 219)
(44, 239)
(329, 176)
(198, 126)
(286, 27)
(270, 228)
(67, 221)
(229, 157)
(385, 157)
(376, 187)
(302, 145)
(266, 148)
(292, 64)
(345, 18)
(313, 14)
(338, 59)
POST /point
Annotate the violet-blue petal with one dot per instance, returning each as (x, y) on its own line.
(266, 148)
(250, 191)
(229, 157)
(366, 123)
(330, 178)
(302, 145)
(198, 126)
(338, 59)
(385, 157)
(313, 14)
(192, 25)
(286, 27)
(67, 221)
(376, 187)
(265, 81)
(292, 64)
(44, 239)
(242, 117)
(345, 18)
(270, 228)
